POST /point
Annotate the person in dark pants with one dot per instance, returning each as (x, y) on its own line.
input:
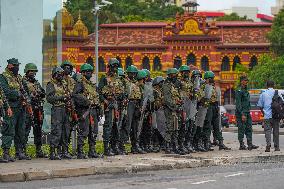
(37, 95)
(88, 107)
(112, 93)
(270, 123)
(60, 124)
(14, 126)
(244, 122)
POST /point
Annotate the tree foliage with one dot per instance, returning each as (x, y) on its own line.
(271, 68)
(276, 36)
(123, 11)
(233, 17)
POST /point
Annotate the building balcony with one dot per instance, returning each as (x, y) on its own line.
(229, 76)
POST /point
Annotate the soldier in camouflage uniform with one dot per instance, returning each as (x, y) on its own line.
(88, 108)
(5, 111)
(173, 103)
(158, 105)
(58, 97)
(67, 66)
(37, 95)
(111, 94)
(14, 127)
(212, 117)
(186, 94)
(146, 133)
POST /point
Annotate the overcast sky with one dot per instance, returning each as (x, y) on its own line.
(51, 6)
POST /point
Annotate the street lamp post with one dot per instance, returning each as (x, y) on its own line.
(97, 8)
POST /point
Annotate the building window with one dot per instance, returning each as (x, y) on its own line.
(229, 96)
(205, 63)
(225, 64)
(146, 63)
(177, 62)
(236, 61)
(102, 66)
(119, 60)
(128, 62)
(90, 61)
(157, 64)
(253, 62)
(191, 59)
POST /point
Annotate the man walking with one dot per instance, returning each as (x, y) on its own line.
(265, 102)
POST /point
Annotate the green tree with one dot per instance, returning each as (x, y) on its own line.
(233, 17)
(271, 68)
(276, 36)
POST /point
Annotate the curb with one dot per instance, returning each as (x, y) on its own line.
(181, 162)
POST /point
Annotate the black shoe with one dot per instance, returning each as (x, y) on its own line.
(22, 156)
(168, 149)
(200, 147)
(242, 146)
(122, 150)
(277, 149)
(222, 146)
(107, 150)
(92, 152)
(267, 149)
(81, 155)
(53, 155)
(39, 153)
(7, 157)
(156, 149)
(207, 146)
(252, 147)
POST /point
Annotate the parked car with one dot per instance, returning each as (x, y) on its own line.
(256, 116)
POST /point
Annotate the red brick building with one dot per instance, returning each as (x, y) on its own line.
(216, 46)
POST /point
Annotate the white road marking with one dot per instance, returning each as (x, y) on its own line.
(233, 175)
(202, 182)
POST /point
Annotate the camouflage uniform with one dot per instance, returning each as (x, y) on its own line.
(3, 104)
(88, 109)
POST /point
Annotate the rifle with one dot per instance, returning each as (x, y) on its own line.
(70, 106)
(144, 105)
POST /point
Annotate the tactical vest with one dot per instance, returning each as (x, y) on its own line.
(12, 80)
(135, 92)
(159, 98)
(186, 88)
(214, 95)
(70, 82)
(1, 98)
(90, 92)
(175, 93)
(33, 87)
(60, 90)
(114, 87)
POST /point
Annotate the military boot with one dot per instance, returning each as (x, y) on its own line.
(267, 148)
(251, 146)
(168, 149)
(92, 152)
(39, 152)
(114, 149)
(20, 155)
(7, 156)
(190, 147)
(222, 146)
(207, 145)
(53, 155)
(135, 149)
(276, 148)
(156, 148)
(242, 146)
(200, 146)
(80, 153)
(107, 151)
(122, 150)
(65, 153)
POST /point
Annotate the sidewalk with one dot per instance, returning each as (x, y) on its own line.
(39, 169)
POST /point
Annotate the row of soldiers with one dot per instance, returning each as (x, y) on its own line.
(176, 114)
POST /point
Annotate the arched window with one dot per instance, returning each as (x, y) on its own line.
(253, 62)
(146, 63)
(236, 61)
(157, 64)
(205, 63)
(191, 59)
(229, 96)
(177, 62)
(102, 66)
(225, 66)
(128, 62)
(119, 60)
(90, 61)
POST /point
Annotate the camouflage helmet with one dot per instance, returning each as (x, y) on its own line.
(141, 75)
(172, 71)
(158, 80)
(66, 63)
(131, 69)
(209, 74)
(86, 67)
(184, 68)
(57, 70)
(147, 72)
(196, 72)
(30, 67)
(13, 61)
(113, 61)
(120, 72)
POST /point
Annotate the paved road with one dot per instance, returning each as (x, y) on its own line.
(245, 176)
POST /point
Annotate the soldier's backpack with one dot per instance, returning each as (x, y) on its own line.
(277, 106)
